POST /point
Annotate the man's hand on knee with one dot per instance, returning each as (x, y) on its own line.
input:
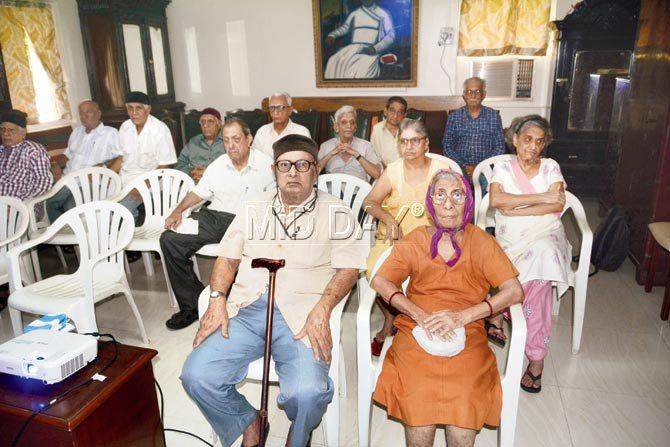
(317, 330)
(215, 317)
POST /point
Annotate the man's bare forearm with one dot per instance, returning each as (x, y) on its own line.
(223, 274)
(338, 287)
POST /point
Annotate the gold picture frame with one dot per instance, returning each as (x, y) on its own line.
(344, 34)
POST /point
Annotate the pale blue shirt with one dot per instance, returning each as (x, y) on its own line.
(89, 149)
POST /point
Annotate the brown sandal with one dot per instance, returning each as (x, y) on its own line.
(534, 378)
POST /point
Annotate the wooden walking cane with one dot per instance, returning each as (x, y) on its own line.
(272, 265)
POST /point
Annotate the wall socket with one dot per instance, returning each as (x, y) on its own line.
(446, 36)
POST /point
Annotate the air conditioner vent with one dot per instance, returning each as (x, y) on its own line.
(506, 78)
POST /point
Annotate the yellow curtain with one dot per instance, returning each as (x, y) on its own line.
(33, 20)
(496, 27)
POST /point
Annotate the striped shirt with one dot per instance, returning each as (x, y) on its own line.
(469, 141)
(89, 149)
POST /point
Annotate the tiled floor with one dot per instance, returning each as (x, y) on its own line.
(615, 392)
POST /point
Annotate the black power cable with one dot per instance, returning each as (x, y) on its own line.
(162, 406)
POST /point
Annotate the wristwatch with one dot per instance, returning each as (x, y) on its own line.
(215, 295)
(359, 156)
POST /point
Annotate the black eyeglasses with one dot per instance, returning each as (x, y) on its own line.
(300, 165)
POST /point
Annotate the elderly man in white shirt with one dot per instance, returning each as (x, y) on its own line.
(91, 144)
(346, 153)
(280, 111)
(146, 143)
(226, 182)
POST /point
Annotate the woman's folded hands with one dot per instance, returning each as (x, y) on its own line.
(442, 323)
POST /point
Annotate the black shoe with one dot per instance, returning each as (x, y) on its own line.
(133, 256)
(182, 319)
(3, 302)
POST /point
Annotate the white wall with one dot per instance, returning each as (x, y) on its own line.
(71, 47)
(273, 49)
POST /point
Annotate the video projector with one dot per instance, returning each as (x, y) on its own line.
(49, 356)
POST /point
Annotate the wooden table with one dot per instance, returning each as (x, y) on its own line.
(120, 411)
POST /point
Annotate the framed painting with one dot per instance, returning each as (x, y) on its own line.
(365, 43)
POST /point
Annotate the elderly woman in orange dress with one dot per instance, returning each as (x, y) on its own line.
(452, 266)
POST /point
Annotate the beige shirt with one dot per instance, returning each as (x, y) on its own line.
(318, 242)
(266, 136)
(385, 143)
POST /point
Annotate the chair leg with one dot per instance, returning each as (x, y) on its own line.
(651, 268)
(61, 257)
(17, 322)
(36, 264)
(148, 263)
(557, 302)
(171, 296)
(138, 317)
(196, 270)
(665, 308)
(342, 371)
(126, 265)
(579, 307)
(332, 419)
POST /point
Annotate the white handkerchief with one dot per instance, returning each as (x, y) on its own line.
(438, 347)
(188, 226)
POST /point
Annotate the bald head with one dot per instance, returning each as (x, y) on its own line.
(89, 114)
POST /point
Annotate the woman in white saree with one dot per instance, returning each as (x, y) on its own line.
(528, 193)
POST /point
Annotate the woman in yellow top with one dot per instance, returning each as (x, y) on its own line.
(397, 201)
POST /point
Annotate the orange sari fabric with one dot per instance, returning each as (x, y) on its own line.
(421, 389)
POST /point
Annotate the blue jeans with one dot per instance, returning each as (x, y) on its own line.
(133, 206)
(61, 202)
(212, 370)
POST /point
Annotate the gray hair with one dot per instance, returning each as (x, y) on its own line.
(522, 123)
(342, 110)
(417, 126)
(240, 122)
(282, 94)
(476, 79)
(443, 174)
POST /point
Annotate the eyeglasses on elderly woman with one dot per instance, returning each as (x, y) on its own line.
(414, 142)
(457, 197)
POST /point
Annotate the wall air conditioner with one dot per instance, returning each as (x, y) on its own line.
(506, 79)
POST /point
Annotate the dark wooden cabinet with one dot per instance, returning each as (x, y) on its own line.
(5, 100)
(595, 46)
(640, 147)
(127, 48)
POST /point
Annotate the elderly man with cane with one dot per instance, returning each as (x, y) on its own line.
(323, 249)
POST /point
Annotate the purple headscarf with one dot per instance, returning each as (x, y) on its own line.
(440, 230)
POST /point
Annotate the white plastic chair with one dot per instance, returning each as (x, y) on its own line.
(86, 185)
(102, 230)
(13, 227)
(255, 372)
(161, 191)
(485, 168)
(581, 272)
(369, 370)
(452, 164)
